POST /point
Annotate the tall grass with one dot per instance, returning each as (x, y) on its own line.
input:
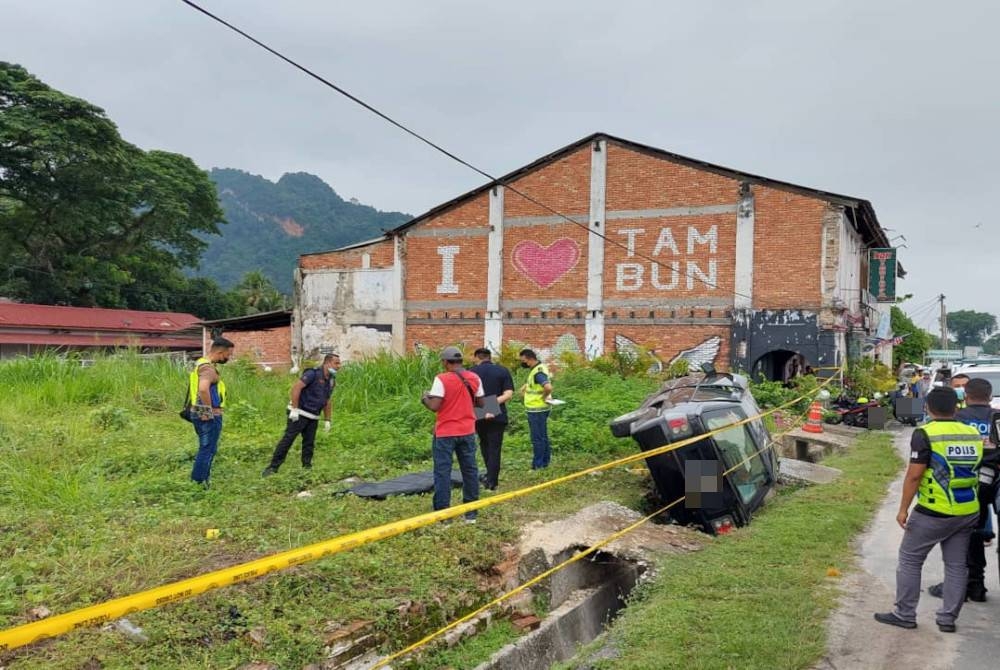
(96, 502)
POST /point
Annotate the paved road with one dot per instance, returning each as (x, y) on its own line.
(857, 641)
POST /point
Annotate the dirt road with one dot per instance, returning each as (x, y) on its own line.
(857, 641)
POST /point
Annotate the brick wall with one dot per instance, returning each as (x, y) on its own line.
(668, 341)
(639, 181)
(380, 256)
(545, 271)
(423, 271)
(563, 185)
(467, 336)
(271, 347)
(787, 250)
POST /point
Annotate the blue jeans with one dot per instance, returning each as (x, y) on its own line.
(540, 447)
(208, 433)
(464, 447)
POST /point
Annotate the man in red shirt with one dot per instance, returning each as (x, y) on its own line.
(452, 397)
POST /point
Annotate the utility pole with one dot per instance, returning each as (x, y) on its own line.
(944, 324)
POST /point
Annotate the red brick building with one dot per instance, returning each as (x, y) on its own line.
(689, 258)
(265, 338)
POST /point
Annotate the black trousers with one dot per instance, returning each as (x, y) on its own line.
(490, 435)
(976, 557)
(305, 427)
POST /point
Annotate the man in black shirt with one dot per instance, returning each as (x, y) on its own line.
(977, 413)
(496, 381)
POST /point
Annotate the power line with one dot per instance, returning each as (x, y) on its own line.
(382, 115)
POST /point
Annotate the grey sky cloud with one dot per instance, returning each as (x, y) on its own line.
(892, 101)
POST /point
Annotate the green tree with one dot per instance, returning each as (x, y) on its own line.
(969, 328)
(992, 345)
(916, 340)
(257, 294)
(85, 217)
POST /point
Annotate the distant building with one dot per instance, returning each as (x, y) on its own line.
(27, 330)
(264, 338)
(693, 260)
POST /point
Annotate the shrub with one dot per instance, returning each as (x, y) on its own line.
(111, 417)
(242, 414)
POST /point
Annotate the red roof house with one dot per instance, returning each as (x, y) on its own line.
(27, 329)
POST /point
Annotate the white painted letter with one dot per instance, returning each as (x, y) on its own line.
(675, 272)
(629, 277)
(630, 243)
(447, 284)
(712, 237)
(709, 280)
(666, 241)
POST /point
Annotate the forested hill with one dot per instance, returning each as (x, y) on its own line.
(271, 224)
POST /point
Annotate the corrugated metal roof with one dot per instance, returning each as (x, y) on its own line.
(14, 314)
(99, 340)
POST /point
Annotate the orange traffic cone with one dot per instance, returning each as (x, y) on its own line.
(814, 424)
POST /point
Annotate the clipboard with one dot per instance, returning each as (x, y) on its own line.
(490, 406)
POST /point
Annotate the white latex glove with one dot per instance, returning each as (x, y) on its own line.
(293, 414)
(326, 426)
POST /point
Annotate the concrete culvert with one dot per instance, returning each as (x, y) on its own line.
(585, 596)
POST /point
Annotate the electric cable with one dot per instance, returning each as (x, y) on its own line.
(437, 147)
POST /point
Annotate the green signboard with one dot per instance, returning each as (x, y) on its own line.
(882, 274)
(944, 354)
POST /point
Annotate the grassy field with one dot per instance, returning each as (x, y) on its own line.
(760, 597)
(96, 503)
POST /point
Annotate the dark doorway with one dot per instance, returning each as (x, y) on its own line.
(780, 365)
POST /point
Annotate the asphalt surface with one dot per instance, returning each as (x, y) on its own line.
(858, 641)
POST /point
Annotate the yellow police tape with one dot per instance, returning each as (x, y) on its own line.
(572, 559)
(100, 613)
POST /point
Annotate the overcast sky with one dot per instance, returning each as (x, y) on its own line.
(897, 102)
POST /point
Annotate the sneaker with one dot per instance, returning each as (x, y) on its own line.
(307, 466)
(470, 522)
(268, 471)
(893, 620)
(937, 590)
(946, 627)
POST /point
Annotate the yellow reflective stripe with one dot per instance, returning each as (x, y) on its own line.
(966, 437)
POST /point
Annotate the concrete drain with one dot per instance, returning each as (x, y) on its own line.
(585, 596)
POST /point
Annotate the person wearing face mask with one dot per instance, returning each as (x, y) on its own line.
(309, 396)
(537, 391)
(208, 400)
(958, 383)
(977, 412)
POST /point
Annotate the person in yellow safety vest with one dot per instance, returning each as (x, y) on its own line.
(943, 475)
(208, 399)
(537, 392)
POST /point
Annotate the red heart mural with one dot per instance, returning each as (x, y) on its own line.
(545, 265)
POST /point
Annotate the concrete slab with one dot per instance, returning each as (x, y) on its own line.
(815, 446)
(600, 520)
(804, 472)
